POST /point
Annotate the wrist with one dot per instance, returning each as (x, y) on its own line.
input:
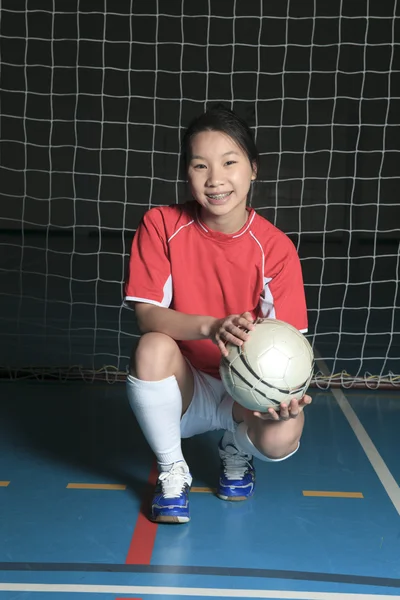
(206, 327)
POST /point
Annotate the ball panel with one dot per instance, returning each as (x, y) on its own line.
(288, 345)
(297, 371)
(272, 364)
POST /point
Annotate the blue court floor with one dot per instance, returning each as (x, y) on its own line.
(75, 473)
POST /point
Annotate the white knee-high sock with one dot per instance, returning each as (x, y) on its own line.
(157, 406)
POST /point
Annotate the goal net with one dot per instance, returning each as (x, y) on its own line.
(95, 96)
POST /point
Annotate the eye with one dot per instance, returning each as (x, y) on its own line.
(230, 162)
(199, 166)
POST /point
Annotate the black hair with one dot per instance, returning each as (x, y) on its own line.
(220, 118)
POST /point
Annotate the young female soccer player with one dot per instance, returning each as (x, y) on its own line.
(200, 274)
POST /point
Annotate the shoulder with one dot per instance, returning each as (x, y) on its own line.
(167, 220)
(270, 237)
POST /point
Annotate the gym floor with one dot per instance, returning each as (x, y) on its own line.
(75, 479)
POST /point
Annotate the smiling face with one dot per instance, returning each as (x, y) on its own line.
(219, 175)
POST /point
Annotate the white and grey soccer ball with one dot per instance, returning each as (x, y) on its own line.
(275, 365)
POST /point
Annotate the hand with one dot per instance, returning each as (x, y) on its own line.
(287, 411)
(231, 329)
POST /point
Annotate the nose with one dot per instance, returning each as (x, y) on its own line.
(215, 176)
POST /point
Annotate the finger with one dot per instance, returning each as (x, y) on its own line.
(237, 332)
(297, 406)
(248, 317)
(305, 401)
(246, 321)
(294, 408)
(222, 347)
(284, 409)
(284, 414)
(274, 415)
(261, 415)
(231, 330)
(226, 337)
(222, 336)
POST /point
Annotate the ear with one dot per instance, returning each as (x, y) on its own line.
(254, 174)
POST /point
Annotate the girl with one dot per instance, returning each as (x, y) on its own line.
(200, 274)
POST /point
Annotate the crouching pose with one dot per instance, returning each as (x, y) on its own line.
(200, 274)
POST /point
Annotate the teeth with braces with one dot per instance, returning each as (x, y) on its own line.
(218, 196)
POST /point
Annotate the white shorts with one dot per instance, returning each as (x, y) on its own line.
(210, 409)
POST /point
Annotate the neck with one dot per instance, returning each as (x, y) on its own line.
(230, 223)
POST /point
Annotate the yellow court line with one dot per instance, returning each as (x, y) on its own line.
(204, 490)
(333, 494)
(96, 486)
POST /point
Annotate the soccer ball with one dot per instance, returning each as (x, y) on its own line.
(275, 365)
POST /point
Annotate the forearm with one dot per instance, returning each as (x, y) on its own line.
(179, 326)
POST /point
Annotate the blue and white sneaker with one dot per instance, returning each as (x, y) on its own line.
(237, 477)
(171, 497)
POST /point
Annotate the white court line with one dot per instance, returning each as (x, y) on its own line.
(388, 481)
(200, 592)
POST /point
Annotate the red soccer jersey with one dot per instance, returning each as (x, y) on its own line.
(178, 263)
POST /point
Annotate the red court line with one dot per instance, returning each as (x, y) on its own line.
(144, 534)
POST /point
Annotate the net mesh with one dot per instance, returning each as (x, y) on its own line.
(94, 99)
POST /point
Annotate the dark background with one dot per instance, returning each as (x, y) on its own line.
(95, 96)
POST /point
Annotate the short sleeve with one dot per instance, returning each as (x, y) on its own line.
(283, 296)
(149, 271)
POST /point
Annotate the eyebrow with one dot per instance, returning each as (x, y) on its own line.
(225, 154)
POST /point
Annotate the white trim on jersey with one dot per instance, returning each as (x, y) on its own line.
(201, 225)
(267, 305)
(126, 305)
(167, 297)
(248, 225)
(267, 301)
(167, 289)
(262, 251)
(178, 230)
(234, 236)
(144, 300)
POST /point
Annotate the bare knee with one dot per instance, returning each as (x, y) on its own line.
(276, 440)
(155, 357)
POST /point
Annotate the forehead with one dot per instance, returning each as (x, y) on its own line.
(213, 143)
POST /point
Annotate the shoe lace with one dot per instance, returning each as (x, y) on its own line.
(235, 463)
(173, 481)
